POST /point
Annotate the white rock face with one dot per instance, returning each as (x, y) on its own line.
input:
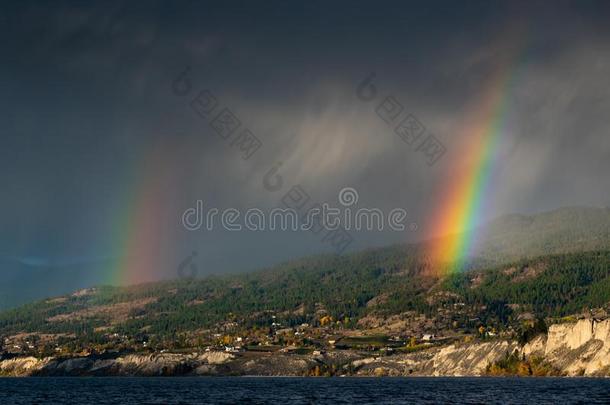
(22, 366)
(581, 348)
(362, 362)
(216, 357)
(536, 347)
(470, 359)
(574, 349)
(133, 364)
(569, 336)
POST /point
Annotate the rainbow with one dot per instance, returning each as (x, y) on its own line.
(464, 196)
(147, 213)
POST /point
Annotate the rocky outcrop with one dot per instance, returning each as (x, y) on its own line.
(571, 349)
(453, 360)
(22, 366)
(129, 365)
(581, 348)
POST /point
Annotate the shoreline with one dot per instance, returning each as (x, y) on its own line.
(571, 350)
(359, 377)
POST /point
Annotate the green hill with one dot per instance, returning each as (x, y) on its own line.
(374, 283)
(534, 273)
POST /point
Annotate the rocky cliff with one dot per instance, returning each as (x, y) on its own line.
(572, 349)
(581, 348)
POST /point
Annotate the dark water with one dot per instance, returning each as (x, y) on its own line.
(303, 390)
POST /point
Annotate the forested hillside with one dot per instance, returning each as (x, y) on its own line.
(507, 284)
(374, 283)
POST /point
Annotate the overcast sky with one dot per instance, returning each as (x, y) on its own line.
(100, 157)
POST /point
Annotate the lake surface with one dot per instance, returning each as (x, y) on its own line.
(201, 390)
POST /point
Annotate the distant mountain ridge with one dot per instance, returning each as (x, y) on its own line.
(564, 230)
(506, 239)
(514, 237)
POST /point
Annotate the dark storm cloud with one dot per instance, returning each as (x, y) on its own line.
(87, 91)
